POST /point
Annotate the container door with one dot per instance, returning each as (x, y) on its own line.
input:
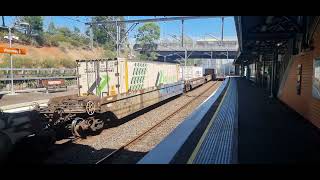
(86, 73)
(91, 77)
(123, 75)
(112, 78)
(103, 78)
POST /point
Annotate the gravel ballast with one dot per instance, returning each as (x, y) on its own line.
(93, 148)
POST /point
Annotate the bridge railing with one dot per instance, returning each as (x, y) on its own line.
(200, 46)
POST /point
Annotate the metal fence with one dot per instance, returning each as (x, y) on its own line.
(24, 78)
(37, 73)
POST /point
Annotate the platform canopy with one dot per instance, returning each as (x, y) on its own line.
(263, 35)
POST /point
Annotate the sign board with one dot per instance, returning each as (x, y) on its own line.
(316, 79)
(13, 50)
(12, 37)
(299, 79)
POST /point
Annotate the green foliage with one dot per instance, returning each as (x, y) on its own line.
(49, 63)
(34, 33)
(76, 30)
(20, 62)
(102, 33)
(51, 28)
(109, 53)
(67, 63)
(63, 35)
(23, 62)
(148, 34)
(35, 22)
(147, 56)
(54, 36)
(146, 37)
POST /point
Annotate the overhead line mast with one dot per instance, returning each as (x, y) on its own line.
(136, 21)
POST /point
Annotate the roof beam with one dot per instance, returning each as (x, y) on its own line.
(268, 36)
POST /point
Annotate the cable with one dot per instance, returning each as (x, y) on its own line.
(73, 19)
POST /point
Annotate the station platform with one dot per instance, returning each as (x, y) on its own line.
(247, 127)
(271, 132)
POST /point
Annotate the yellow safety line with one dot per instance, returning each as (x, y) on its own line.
(126, 75)
(196, 150)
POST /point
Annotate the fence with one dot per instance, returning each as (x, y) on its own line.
(30, 77)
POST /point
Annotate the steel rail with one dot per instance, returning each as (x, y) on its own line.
(117, 151)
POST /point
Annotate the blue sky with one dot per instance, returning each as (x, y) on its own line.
(194, 28)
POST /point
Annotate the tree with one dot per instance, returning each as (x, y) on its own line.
(146, 37)
(35, 22)
(36, 27)
(102, 33)
(76, 30)
(51, 28)
(65, 31)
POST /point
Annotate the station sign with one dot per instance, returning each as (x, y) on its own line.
(13, 50)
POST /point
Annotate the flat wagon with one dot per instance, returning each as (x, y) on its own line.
(112, 89)
(192, 77)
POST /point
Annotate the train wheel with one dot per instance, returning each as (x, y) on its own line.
(97, 125)
(76, 128)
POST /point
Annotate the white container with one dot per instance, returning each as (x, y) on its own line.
(112, 77)
(190, 72)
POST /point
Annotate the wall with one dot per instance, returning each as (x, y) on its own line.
(305, 104)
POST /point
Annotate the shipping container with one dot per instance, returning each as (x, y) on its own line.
(208, 71)
(190, 72)
(112, 77)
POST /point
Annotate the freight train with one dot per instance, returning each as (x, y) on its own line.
(110, 89)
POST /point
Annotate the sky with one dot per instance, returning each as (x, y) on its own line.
(196, 28)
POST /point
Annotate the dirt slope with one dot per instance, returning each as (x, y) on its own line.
(56, 52)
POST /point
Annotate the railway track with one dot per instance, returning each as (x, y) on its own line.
(114, 153)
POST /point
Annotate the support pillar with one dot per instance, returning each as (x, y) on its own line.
(272, 79)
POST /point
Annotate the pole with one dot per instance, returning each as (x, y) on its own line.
(182, 21)
(91, 37)
(117, 41)
(263, 72)
(210, 60)
(3, 24)
(224, 70)
(10, 45)
(185, 57)
(222, 23)
(228, 60)
(273, 73)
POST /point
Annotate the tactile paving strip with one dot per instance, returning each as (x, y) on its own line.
(216, 147)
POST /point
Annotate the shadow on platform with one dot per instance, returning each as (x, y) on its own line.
(271, 132)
